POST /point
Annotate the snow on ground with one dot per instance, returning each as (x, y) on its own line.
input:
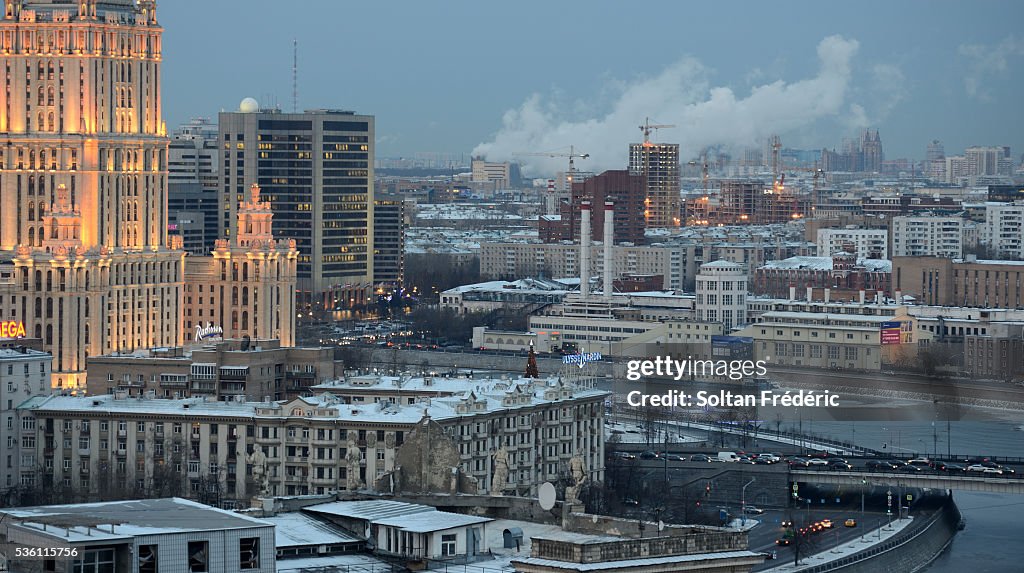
(845, 549)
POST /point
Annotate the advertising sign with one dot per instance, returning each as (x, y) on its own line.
(891, 333)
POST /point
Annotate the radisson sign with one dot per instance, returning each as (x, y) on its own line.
(12, 329)
(209, 331)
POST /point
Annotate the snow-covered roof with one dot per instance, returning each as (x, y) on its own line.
(824, 264)
(431, 521)
(369, 510)
(630, 563)
(129, 518)
(351, 563)
(295, 529)
(721, 265)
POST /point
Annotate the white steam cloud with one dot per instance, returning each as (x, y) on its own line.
(679, 95)
(988, 61)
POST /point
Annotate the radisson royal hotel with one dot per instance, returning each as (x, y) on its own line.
(85, 261)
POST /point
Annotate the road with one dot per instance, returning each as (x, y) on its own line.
(762, 537)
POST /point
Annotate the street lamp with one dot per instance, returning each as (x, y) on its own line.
(743, 502)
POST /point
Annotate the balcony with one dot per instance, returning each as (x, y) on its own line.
(297, 459)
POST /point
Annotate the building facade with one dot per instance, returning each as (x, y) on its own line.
(249, 280)
(623, 189)
(865, 243)
(388, 244)
(722, 294)
(193, 182)
(23, 373)
(960, 282)
(312, 445)
(928, 236)
(1003, 231)
(228, 370)
(316, 170)
(658, 164)
(83, 216)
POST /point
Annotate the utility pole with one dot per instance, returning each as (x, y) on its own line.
(743, 502)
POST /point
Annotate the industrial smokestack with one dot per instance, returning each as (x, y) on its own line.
(585, 249)
(899, 297)
(609, 238)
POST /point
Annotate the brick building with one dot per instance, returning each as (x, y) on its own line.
(843, 273)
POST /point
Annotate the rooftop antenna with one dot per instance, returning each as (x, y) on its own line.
(295, 75)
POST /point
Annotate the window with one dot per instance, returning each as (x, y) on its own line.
(249, 552)
(448, 545)
(199, 556)
(147, 559)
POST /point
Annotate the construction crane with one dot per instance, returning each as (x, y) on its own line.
(572, 155)
(646, 129)
(646, 147)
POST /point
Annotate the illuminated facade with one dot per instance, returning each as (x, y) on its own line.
(659, 164)
(249, 280)
(83, 221)
(316, 170)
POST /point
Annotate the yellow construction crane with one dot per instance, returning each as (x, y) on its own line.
(572, 155)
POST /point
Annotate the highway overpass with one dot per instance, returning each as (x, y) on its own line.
(960, 482)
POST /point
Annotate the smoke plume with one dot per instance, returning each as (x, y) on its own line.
(704, 115)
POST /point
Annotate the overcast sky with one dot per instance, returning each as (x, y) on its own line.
(499, 78)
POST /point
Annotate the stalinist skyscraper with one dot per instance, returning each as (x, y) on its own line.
(85, 262)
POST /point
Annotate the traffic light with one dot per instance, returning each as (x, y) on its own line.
(707, 490)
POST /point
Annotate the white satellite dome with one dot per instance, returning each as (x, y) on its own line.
(249, 105)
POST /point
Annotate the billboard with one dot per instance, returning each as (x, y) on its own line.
(891, 332)
(12, 329)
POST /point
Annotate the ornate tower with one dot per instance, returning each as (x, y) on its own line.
(83, 169)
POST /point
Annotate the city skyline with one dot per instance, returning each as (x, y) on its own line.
(904, 70)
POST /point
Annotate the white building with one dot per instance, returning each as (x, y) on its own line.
(928, 236)
(311, 445)
(1003, 231)
(722, 294)
(145, 535)
(491, 172)
(23, 373)
(867, 243)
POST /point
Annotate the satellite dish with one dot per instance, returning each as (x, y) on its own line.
(546, 495)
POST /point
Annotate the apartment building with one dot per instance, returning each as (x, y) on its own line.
(311, 445)
(23, 373)
(865, 243)
(928, 236)
(228, 370)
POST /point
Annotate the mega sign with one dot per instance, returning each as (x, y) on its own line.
(582, 358)
(12, 329)
(208, 331)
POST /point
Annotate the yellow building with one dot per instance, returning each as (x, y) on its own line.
(83, 168)
(247, 286)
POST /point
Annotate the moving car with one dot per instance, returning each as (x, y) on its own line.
(798, 462)
(817, 462)
(826, 523)
(727, 456)
(753, 510)
(648, 455)
(948, 467)
(839, 465)
(784, 542)
(700, 458)
(879, 465)
(850, 522)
